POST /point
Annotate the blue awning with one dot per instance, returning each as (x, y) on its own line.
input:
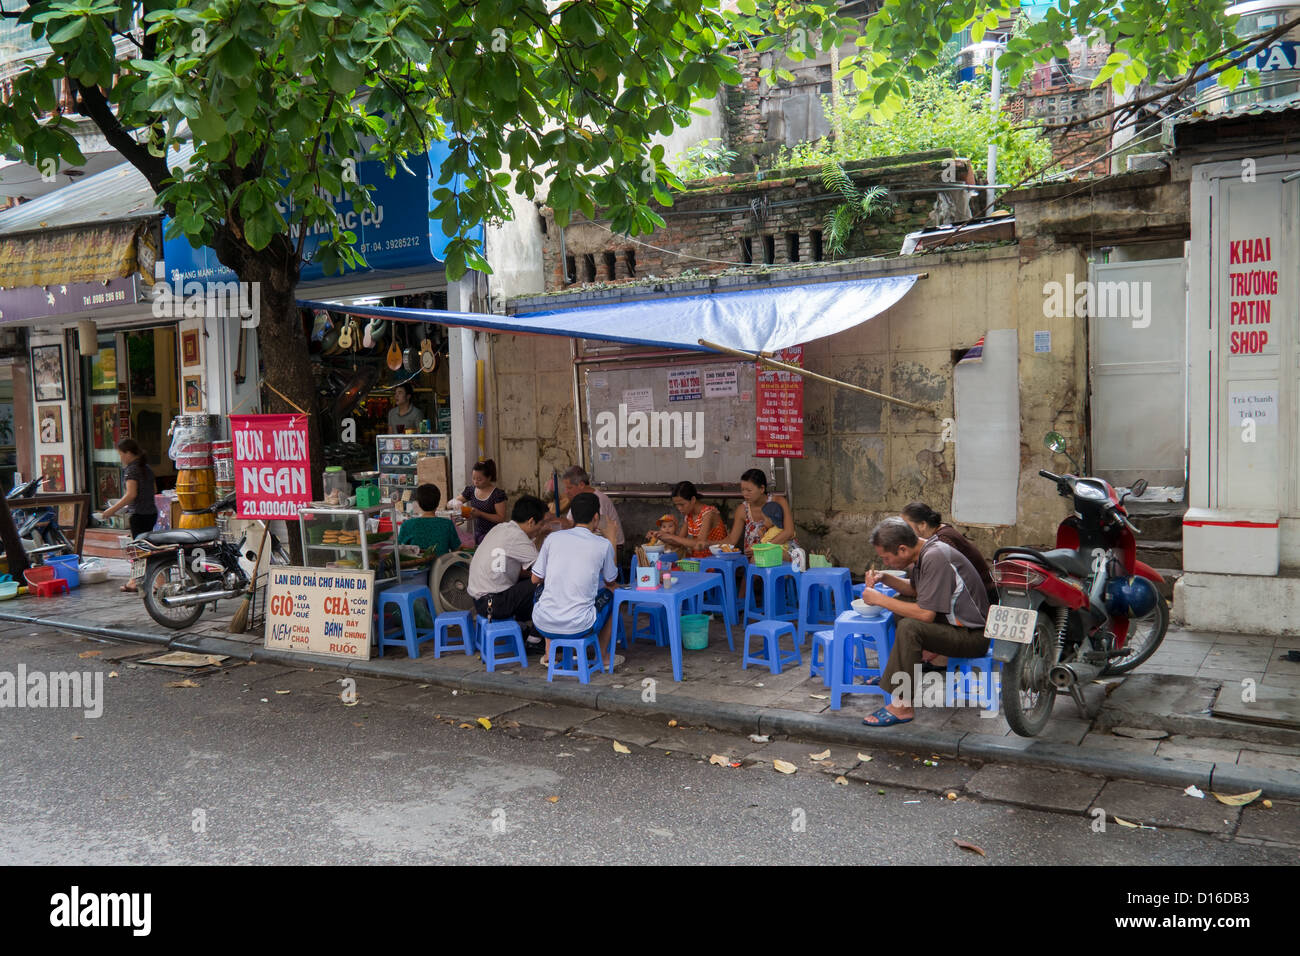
(753, 320)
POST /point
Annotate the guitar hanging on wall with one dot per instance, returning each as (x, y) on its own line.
(428, 357)
(394, 353)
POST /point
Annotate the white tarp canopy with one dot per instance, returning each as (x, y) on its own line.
(753, 320)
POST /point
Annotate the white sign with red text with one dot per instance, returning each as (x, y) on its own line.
(323, 611)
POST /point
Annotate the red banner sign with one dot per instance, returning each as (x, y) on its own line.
(272, 465)
(780, 408)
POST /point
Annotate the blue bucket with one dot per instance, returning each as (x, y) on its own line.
(66, 566)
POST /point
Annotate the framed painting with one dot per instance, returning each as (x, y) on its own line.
(47, 373)
(108, 483)
(103, 372)
(190, 348)
(193, 393)
(49, 420)
(52, 469)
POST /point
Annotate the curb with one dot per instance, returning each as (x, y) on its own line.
(752, 719)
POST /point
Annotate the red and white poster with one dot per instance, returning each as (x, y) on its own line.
(780, 408)
(272, 465)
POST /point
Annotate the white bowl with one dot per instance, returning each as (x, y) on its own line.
(868, 610)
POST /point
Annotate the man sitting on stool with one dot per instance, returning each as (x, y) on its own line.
(574, 564)
(947, 617)
(499, 579)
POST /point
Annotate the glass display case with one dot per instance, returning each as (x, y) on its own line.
(338, 538)
(398, 458)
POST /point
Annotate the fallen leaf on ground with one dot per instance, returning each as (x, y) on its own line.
(620, 749)
(357, 723)
(864, 757)
(1239, 799)
(821, 756)
(466, 727)
(760, 738)
(284, 692)
(77, 737)
(112, 673)
(783, 766)
(970, 846)
(485, 723)
(1193, 791)
(820, 696)
(719, 760)
(672, 723)
(349, 703)
(1267, 804)
(552, 799)
(90, 653)
(951, 795)
(842, 781)
(185, 683)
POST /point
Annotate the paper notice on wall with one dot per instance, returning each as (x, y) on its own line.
(639, 399)
(779, 409)
(1257, 405)
(598, 381)
(1042, 341)
(721, 382)
(684, 384)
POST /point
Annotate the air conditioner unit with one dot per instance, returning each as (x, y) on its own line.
(1140, 161)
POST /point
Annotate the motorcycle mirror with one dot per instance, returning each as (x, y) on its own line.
(1139, 488)
(1055, 442)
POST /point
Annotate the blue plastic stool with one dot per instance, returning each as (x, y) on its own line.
(571, 656)
(442, 639)
(775, 605)
(819, 654)
(824, 594)
(773, 658)
(730, 606)
(854, 634)
(656, 628)
(404, 596)
(490, 633)
(973, 678)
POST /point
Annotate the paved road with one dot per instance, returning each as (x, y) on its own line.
(299, 777)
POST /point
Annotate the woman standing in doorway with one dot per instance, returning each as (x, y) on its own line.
(747, 525)
(702, 527)
(138, 501)
(483, 500)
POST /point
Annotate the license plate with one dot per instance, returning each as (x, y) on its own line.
(137, 568)
(1010, 624)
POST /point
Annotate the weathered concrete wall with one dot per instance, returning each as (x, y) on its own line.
(865, 459)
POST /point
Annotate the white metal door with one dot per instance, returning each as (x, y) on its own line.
(1137, 328)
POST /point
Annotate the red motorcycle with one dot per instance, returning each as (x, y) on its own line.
(1085, 610)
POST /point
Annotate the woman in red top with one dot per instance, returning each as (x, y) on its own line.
(703, 524)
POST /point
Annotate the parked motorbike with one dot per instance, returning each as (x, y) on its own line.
(184, 570)
(1087, 609)
(38, 527)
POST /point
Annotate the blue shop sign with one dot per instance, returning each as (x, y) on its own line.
(396, 234)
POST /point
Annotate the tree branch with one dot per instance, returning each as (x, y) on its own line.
(92, 104)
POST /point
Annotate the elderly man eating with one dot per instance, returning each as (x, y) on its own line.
(946, 618)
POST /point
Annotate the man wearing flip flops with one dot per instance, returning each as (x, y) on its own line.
(946, 618)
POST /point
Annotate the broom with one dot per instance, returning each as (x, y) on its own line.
(239, 623)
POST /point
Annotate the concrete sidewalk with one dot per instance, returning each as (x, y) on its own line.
(1154, 726)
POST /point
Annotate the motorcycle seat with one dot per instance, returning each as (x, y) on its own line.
(1065, 560)
(196, 536)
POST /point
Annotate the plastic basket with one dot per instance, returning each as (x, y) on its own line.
(767, 555)
(688, 565)
(818, 561)
(695, 631)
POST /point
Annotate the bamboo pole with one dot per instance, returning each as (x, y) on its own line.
(764, 358)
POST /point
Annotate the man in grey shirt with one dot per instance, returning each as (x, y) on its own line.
(404, 415)
(947, 617)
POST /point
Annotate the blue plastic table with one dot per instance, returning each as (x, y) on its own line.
(683, 597)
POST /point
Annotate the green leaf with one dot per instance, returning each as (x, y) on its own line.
(69, 31)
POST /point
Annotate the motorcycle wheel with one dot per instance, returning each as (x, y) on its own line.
(1144, 637)
(162, 578)
(1028, 696)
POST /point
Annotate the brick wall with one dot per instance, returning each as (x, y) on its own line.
(741, 220)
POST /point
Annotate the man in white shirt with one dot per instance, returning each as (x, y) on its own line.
(579, 561)
(499, 581)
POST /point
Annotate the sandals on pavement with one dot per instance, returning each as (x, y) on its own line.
(885, 719)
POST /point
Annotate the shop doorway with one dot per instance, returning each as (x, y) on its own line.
(130, 388)
(8, 439)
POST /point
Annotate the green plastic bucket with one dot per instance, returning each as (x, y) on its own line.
(695, 632)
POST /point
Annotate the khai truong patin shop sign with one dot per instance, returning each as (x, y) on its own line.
(272, 465)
